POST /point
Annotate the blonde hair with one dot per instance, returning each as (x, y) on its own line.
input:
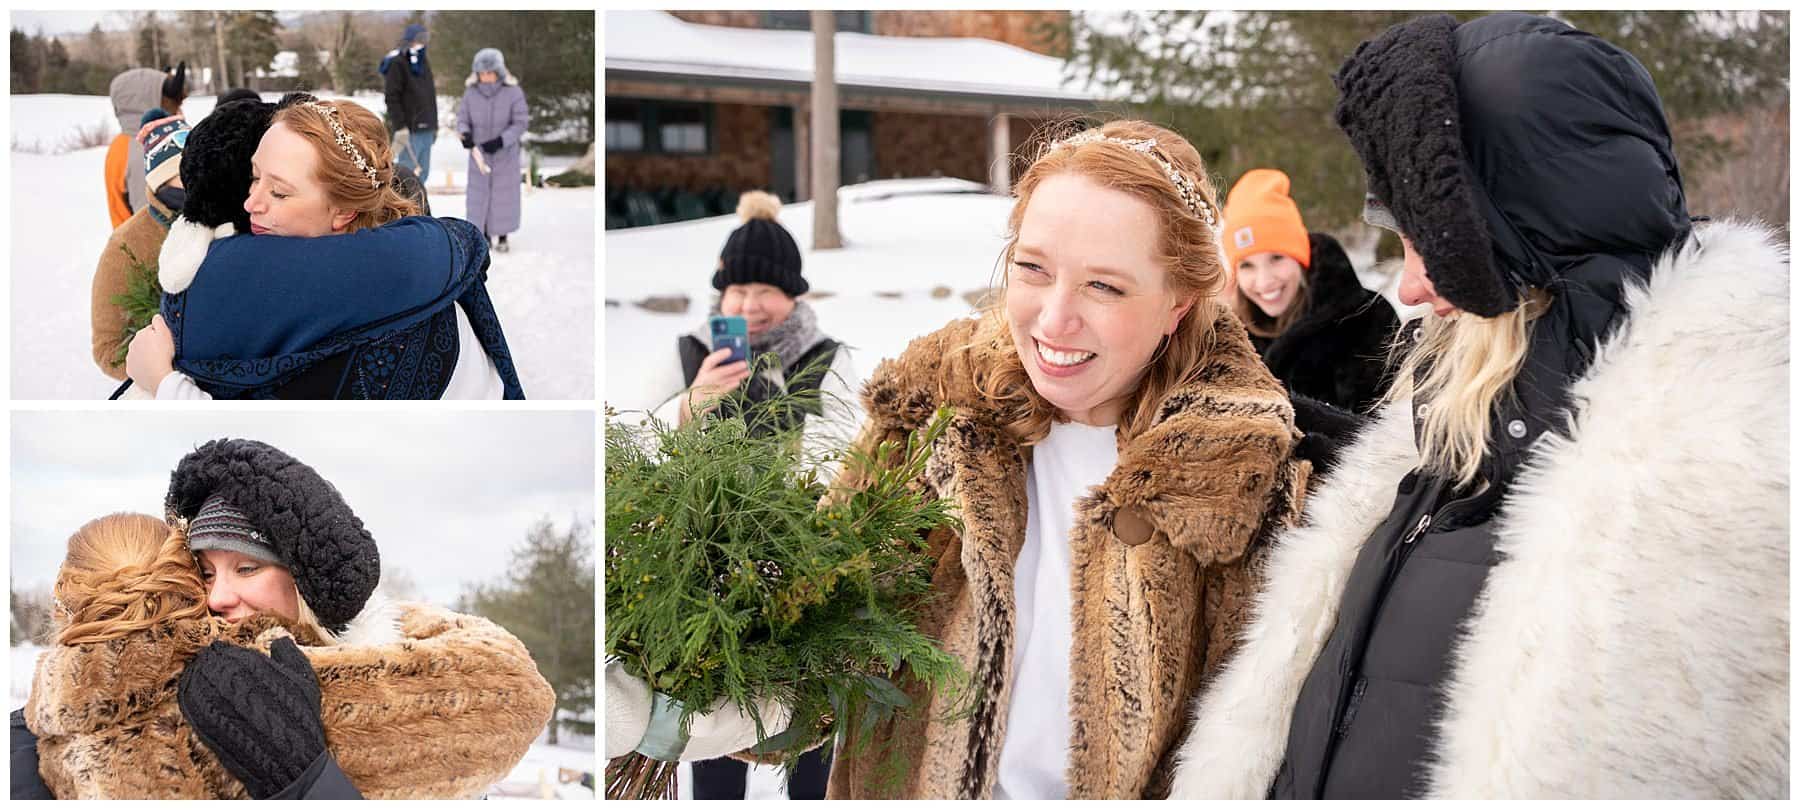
(1257, 322)
(1187, 246)
(1469, 364)
(346, 185)
(127, 572)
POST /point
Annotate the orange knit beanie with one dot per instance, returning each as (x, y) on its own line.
(1261, 217)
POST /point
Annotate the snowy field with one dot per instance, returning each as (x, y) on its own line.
(915, 250)
(538, 776)
(543, 289)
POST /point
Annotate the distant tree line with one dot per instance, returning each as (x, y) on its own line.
(552, 52)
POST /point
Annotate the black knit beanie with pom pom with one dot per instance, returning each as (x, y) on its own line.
(760, 250)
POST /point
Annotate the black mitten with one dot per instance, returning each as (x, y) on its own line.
(468, 142)
(492, 145)
(259, 714)
(1328, 428)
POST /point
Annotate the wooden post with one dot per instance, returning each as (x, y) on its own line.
(802, 151)
(1000, 154)
(825, 132)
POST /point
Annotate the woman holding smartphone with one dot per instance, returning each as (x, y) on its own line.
(762, 341)
(759, 285)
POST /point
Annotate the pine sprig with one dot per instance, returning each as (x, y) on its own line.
(730, 575)
(142, 299)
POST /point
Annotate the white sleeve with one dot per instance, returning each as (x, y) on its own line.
(627, 710)
(474, 376)
(666, 381)
(834, 429)
(177, 386)
(723, 730)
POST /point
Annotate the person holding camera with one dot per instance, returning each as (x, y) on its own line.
(759, 281)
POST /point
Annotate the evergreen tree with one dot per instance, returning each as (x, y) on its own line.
(255, 39)
(27, 63)
(96, 51)
(1253, 89)
(152, 43)
(546, 598)
(56, 57)
(552, 53)
(30, 615)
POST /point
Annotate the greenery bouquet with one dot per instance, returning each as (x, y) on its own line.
(731, 575)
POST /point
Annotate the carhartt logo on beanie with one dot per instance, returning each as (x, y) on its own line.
(760, 250)
(1262, 218)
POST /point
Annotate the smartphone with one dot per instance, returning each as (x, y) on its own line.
(730, 332)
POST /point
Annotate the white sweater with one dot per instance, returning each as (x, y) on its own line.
(1064, 467)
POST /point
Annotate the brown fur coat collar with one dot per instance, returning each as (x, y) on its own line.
(1161, 559)
(443, 712)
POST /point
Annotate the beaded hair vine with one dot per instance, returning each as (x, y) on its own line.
(1184, 187)
(344, 142)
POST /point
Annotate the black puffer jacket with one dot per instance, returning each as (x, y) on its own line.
(1576, 180)
(1336, 351)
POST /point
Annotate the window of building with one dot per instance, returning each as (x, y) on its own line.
(624, 126)
(658, 127)
(682, 129)
(855, 22)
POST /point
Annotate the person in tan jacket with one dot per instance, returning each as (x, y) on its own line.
(133, 246)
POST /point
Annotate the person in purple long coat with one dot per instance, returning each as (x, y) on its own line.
(492, 119)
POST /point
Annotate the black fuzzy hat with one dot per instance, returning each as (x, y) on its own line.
(760, 251)
(215, 164)
(322, 543)
(1397, 102)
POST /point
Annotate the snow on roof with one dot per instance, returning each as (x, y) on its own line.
(657, 42)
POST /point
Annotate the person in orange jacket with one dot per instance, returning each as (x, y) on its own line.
(133, 92)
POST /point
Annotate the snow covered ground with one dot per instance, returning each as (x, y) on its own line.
(543, 289)
(553, 771)
(914, 249)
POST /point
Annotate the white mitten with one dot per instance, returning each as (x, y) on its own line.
(627, 710)
(183, 250)
(727, 729)
(631, 708)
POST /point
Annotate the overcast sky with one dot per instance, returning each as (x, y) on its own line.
(68, 22)
(446, 494)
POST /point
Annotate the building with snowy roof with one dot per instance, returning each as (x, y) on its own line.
(701, 105)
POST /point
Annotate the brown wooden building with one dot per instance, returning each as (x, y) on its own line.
(700, 101)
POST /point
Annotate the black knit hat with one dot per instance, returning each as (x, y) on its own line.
(760, 251)
(215, 164)
(322, 543)
(1397, 101)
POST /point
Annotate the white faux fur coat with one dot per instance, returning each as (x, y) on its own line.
(1633, 640)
